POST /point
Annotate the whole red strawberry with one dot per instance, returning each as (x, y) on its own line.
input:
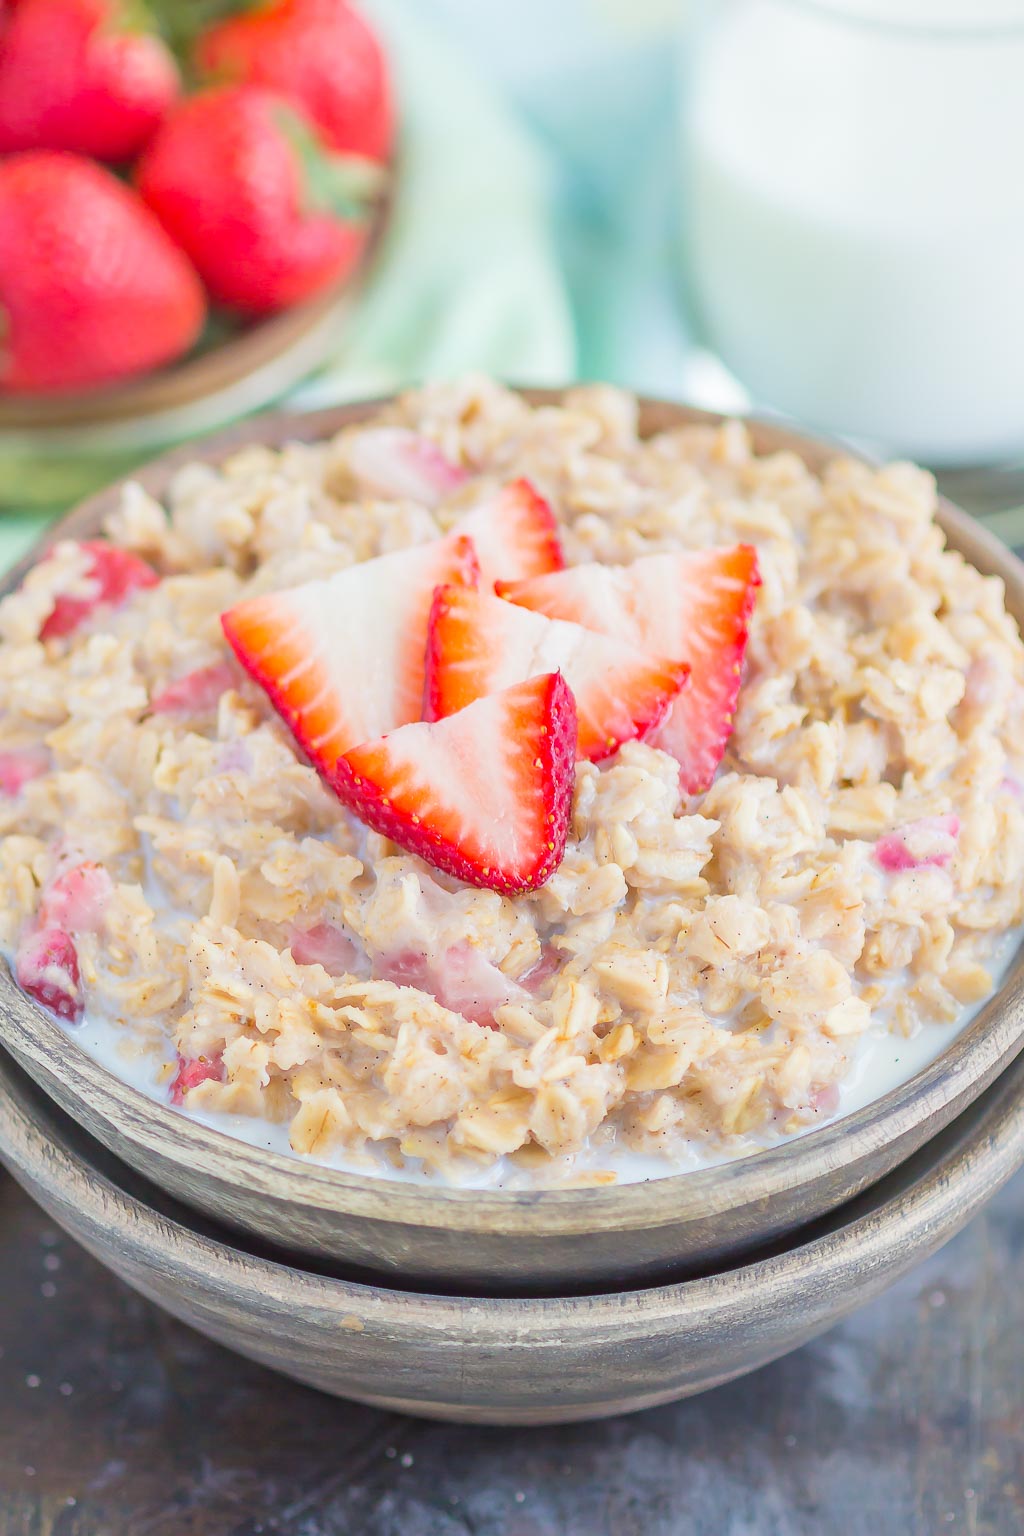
(91, 288)
(240, 181)
(322, 55)
(75, 75)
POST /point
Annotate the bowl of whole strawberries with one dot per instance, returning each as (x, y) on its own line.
(188, 195)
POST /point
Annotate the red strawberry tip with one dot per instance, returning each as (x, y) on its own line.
(369, 780)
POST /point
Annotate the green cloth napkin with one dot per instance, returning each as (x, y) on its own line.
(467, 277)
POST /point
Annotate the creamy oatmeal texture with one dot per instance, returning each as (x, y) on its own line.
(695, 978)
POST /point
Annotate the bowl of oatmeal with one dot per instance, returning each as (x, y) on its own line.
(504, 838)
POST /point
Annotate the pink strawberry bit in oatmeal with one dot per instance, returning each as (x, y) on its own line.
(46, 967)
(749, 904)
(391, 462)
(931, 840)
(77, 899)
(191, 1074)
(328, 945)
(196, 693)
(19, 767)
(461, 980)
(108, 577)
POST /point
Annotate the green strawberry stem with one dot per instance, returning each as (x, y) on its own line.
(132, 16)
(182, 21)
(346, 185)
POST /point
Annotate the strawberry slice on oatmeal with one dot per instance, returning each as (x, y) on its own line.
(515, 535)
(342, 660)
(484, 795)
(694, 605)
(478, 644)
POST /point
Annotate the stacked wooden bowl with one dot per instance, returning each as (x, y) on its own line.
(507, 1360)
(513, 1307)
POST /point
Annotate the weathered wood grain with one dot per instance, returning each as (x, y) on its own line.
(906, 1420)
(500, 1240)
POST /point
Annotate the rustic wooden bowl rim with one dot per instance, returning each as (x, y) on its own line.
(910, 1213)
(995, 1034)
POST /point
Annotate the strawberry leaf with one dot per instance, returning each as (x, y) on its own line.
(182, 21)
(345, 185)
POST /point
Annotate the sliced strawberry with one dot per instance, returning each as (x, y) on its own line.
(695, 606)
(113, 574)
(394, 462)
(77, 899)
(197, 693)
(46, 967)
(342, 659)
(20, 766)
(477, 644)
(484, 795)
(193, 1070)
(515, 535)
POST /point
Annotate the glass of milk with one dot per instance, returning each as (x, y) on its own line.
(855, 215)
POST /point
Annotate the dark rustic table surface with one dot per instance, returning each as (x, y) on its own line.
(908, 1420)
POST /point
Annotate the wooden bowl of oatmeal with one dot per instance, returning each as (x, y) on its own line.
(759, 1005)
(502, 1360)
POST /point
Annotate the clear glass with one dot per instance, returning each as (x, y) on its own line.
(855, 215)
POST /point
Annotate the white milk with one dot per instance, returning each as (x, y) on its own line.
(855, 215)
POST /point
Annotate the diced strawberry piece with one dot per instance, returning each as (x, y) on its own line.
(463, 980)
(471, 985)
(930, 840)
(394, 462)
(46, 967)
(694, 606)
(825, 1101)
(515, 535)
(193, 1070)
(328, 945)
(76, 900)
(405, 968)
(236, 757)
(20, 766)
(197, 693)
(113, 573)
(550, 963)
(477, 644)
(484, 795)
(342, 660)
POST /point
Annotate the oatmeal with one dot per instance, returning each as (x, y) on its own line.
(697, 975)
